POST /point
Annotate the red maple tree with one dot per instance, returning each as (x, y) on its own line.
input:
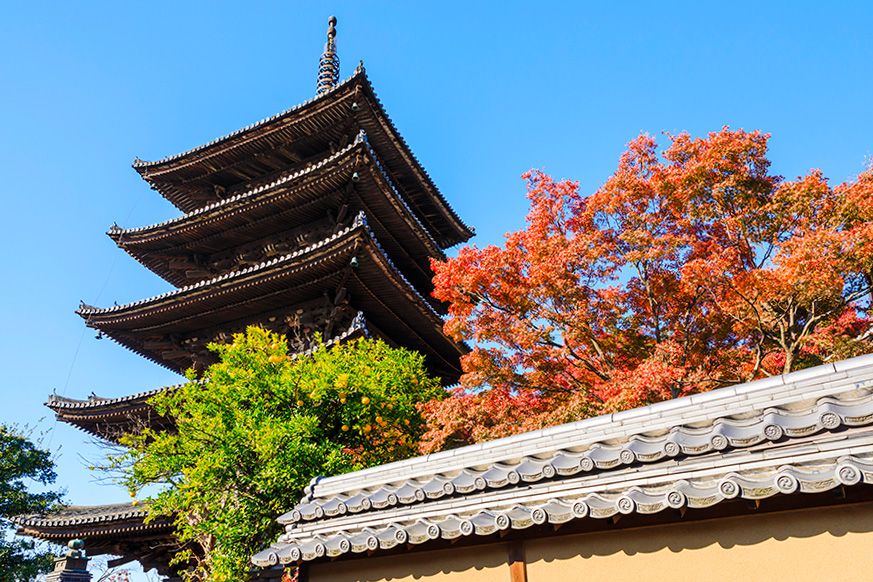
(687, 270)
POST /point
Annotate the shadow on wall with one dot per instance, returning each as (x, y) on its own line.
(726, 533)
(486, 563)
(808, 545)
(807, 542)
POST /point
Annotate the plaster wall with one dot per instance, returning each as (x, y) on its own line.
(470, 564)
(806, 545)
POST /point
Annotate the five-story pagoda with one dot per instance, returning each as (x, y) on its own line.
(318, 220)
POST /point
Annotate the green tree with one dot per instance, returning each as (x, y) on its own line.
(258, 427)
(21, 461)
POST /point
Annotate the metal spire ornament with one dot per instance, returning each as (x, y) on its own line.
(328, 65)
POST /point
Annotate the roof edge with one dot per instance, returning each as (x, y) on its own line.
(668, 413)
(142, 166)
(360, 224)
(757, 477)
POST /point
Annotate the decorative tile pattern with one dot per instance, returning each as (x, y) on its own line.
(805, 432)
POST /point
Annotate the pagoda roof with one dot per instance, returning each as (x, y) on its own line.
(118, 529)
(89, 522)
(393, 307)
(109, 418)
(294, 198)
(802, 433)
(183, 178)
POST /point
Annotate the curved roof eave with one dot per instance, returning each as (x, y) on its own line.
(804, 432)
(359, 224)
(167, 227)
(145, 168)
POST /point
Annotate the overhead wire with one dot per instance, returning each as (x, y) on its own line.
(109, 273)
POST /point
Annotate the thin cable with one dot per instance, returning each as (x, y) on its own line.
(73, 362)
(103, 287)
(115, 258)
(54, 425)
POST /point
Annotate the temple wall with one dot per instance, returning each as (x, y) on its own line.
(470, 564)
(805, 545)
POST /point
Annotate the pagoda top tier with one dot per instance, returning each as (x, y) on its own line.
(294, 138)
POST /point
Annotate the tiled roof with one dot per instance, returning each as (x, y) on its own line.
(109, 418)
(86, 310)
(118, 233)
(96, 523)
(380, 289)
(359, 224)
(92, 414)
(360, 75)
(57, 403)
(359, 72)
(387, 297)
(84, 514)
(808, 431)
(116, 529)
(261, 205)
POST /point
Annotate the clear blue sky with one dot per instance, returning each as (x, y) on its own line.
(482, 92)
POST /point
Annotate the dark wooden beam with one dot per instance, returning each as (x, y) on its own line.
(517, 565)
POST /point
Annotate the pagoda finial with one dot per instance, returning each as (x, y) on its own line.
(328, 66)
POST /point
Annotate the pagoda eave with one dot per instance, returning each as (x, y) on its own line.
(200, 176)
(115, 529)
(346, 182)
(352, 260)
(110, 418)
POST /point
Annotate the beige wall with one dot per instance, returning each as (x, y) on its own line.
(470, 564)
(818, 544)
(822, 544)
